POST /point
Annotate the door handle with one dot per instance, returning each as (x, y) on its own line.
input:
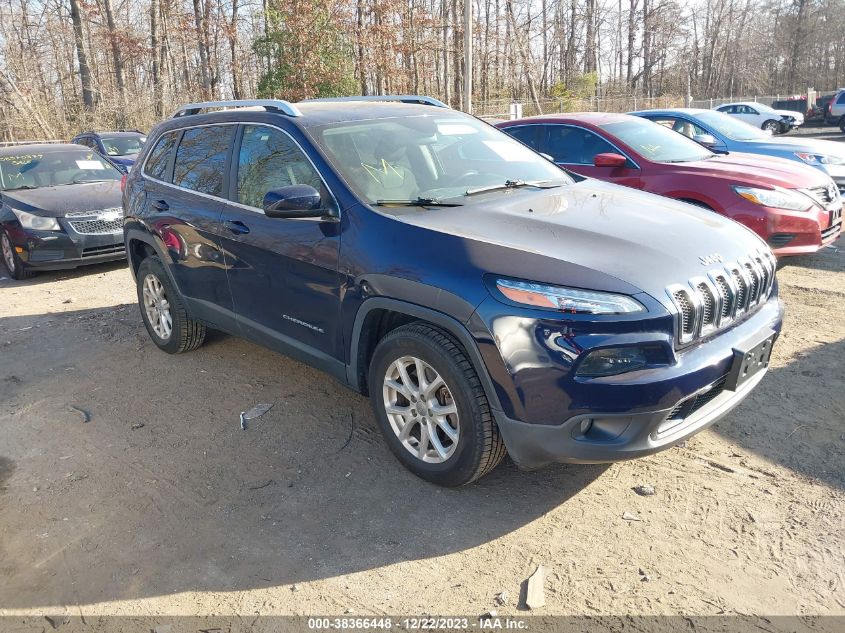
(236, 226)
(160, 205)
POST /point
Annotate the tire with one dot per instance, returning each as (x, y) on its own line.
(17, 269)
(771, 125)
(842, 124)
(185, 334)
(478, 448)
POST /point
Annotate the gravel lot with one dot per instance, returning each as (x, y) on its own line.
(161, 504)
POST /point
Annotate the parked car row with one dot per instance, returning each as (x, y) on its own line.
(795, 208)
(489, 300)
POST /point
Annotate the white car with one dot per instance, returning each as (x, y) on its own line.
(762, 116)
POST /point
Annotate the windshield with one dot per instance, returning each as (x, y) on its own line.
(655, 142)
(762, 107)
(433, 157)
(731, 127)
(52, 168)
(122, 145)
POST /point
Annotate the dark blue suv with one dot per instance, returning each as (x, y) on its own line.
(485, 301)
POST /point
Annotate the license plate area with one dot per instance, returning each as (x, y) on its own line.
(749, 361)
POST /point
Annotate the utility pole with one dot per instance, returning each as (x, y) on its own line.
(468, 56)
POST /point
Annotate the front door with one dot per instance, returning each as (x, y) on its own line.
(283, 272)
(575, 148)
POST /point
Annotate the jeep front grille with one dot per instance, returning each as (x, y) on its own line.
(708, 303)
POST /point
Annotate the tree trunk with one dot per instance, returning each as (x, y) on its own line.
(82, 58)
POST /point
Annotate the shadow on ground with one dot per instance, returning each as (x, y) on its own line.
(162, 492)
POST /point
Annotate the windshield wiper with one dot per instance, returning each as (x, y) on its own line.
(416, 202)
(513, 184)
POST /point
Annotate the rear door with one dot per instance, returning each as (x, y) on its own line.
(575, 148)
(185, 182)
(283, 272)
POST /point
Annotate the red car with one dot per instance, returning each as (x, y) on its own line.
(796, 209)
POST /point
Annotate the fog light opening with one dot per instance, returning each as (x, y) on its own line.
(586, 425)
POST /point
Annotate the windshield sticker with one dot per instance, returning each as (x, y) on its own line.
(90, 164)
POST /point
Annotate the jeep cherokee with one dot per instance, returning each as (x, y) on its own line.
(485, 301)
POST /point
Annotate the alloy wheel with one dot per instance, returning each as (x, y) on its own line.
(8, 253)
(421, 410)
(157, 307)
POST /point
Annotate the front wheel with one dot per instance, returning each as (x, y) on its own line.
(13, 263)
(771, 126)
(842, 124)
(163, 310)
(431, 407)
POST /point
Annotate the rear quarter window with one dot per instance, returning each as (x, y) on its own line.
(841, 98)
(201, 158)
(156, 165)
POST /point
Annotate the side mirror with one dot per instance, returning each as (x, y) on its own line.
(293, 201)
(708, 140)
(609, 160)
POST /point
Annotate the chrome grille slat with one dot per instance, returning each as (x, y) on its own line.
(708, 303)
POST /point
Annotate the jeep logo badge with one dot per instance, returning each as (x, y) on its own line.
(709, 260)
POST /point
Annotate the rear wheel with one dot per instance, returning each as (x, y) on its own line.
(842, 124)
(431, 408)
(771, 126)
(163, 310)
(13, 263)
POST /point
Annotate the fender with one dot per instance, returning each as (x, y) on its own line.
(134, 230)
(444, 321)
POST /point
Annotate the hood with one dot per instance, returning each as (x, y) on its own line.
(756, 170)
(127, 161)
(644, 240)
(790, 145)
(56, 202)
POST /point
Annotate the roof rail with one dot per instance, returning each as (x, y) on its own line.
(418, 99)
(275, 105)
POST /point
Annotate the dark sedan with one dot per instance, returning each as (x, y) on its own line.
(60, 207)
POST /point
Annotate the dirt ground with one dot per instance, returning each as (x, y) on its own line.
(160, 504)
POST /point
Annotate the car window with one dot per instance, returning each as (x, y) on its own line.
(574, 145)
(441, 155)
(728, 109)
(54, 168)
(730, 127)
(681, 126)
(122, 145)
(156, 165)
(655, 142)
(750, 110)
(201, 158)
(525, 133)
(840, 98)
(269, 159)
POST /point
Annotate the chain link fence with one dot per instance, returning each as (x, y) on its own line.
(501, 108)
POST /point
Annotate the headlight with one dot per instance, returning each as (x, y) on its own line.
(567, 299)
(820, 159)
(36, 222)
(775, 198)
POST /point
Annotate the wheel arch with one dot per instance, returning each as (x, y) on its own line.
(380, 315)
(140, 244)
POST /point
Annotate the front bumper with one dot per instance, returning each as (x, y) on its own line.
(791, 232)
(533, 446)
(59, 250)
(543, 404)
